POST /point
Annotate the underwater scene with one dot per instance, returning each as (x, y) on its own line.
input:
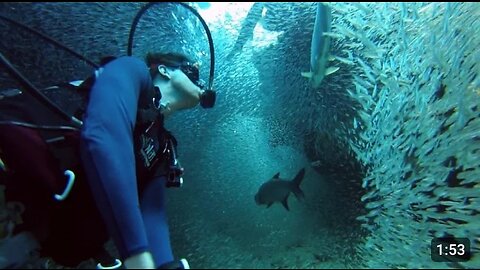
(344, 135)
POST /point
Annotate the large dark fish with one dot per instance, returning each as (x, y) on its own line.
(277, 190)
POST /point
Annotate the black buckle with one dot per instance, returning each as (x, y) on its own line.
(174, 178)
(175, 172)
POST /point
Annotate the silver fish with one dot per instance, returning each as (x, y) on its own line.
(320, 47)
(278, 190)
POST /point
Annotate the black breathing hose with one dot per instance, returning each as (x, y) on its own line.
(205, 26)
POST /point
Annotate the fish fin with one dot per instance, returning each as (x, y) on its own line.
(331, 58)
(276, 176)
(285, 203)
(331, 70)
(298, 193)
(295, 185)
(270, 204)
(299, 177)
(307, 74)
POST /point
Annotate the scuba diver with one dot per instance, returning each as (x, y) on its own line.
(125, 155)
(140, 232)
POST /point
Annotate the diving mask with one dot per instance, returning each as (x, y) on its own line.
(208, 97)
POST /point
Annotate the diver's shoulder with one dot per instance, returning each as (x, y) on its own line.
(131, 61)
(131, 65)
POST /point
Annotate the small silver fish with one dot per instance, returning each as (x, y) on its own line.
(278, 190)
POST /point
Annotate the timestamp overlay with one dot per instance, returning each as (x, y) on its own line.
(450, 249)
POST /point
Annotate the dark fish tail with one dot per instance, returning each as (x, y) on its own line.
(285, 203)
(296, 184)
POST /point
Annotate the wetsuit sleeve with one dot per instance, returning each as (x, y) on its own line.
(107, 150)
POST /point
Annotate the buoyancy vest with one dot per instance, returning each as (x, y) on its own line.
(35, 158)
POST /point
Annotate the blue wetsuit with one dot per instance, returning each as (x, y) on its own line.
(107, 150)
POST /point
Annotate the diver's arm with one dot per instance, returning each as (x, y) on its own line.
(107, 151)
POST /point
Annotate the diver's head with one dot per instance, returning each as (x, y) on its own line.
(179, 81)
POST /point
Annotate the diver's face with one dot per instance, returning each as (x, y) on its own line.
(184, 86)
(183, 83)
